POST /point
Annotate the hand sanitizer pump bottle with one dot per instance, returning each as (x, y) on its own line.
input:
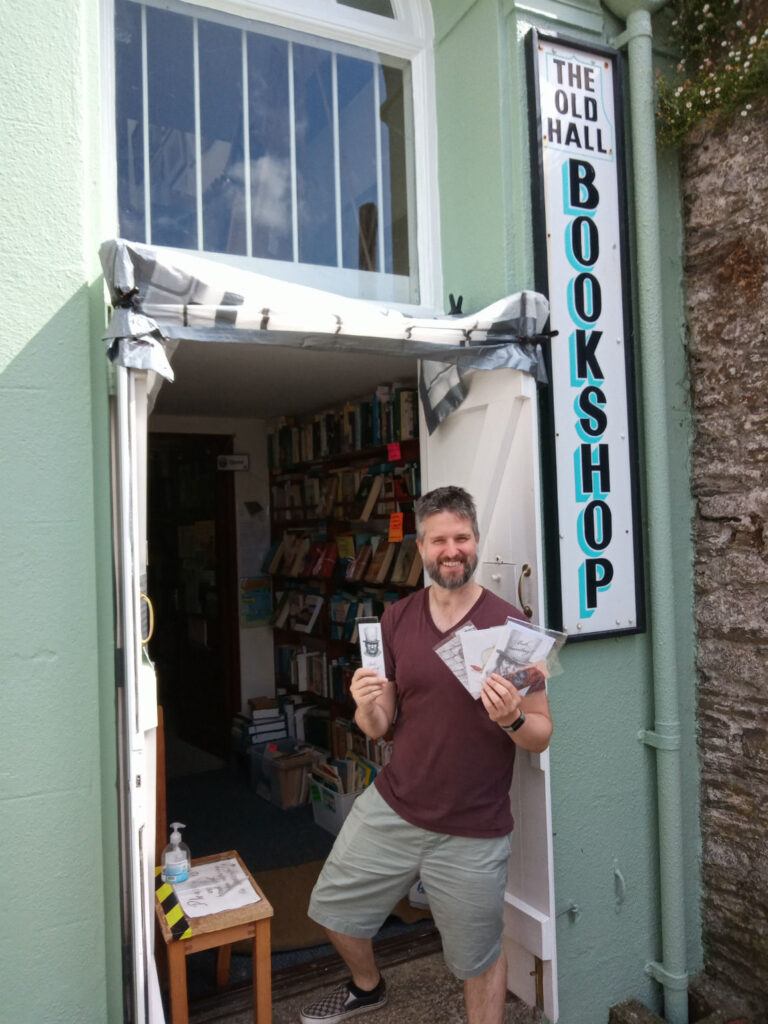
(176, 857)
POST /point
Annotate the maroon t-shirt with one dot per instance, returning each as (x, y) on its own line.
(451, 766)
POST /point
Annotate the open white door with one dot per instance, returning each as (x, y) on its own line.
(489, 446)
(137, 698)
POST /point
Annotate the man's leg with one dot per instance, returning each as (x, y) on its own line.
(484, 994)
(357, 954)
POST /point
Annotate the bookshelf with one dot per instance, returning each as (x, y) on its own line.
(342, 487)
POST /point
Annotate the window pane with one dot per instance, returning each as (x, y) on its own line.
(269, 116)
(314, 155)
(393, 155)
(357, 157)
(130, 121)
(382, 7)
(221, 132)
(171, 129)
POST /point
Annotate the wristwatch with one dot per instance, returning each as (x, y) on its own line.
(516, 724)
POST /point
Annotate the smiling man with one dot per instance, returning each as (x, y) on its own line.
(440, 810)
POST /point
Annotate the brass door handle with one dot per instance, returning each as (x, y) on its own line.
(525, 572)
(151, 610)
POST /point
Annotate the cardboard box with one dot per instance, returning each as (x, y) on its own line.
(330, 808)
(279, 772)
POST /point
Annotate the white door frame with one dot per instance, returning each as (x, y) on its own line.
(136, 698)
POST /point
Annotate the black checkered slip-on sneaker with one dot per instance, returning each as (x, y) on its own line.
(342, 1003)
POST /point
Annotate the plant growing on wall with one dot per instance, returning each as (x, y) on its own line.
(723, 64)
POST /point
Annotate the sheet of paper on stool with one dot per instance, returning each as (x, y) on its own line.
(213, 887)
(371, 646)
(479, 645)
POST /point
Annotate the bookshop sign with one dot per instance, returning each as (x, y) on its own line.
(596, 588)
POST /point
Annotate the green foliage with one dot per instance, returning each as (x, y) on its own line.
(723, 66)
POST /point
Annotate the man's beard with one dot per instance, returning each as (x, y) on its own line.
(452, 582)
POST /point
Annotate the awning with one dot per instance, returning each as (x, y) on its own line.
(161, 298)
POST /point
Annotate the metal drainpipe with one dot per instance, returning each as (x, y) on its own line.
(665, 737)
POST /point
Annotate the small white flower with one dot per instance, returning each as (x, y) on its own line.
(743, 113)
(752, 40)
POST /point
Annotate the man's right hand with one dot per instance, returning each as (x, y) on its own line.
(375, 699)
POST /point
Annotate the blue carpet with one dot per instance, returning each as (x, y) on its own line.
(222, 812)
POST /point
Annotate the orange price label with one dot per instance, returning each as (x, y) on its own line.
(395, 527)
(393, 452)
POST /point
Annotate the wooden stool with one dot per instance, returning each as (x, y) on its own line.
(221, 930)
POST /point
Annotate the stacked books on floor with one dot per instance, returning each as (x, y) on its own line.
(264, 722)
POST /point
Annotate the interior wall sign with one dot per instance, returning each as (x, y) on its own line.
(593, 549)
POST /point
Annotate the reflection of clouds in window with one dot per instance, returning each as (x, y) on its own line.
(271, 191)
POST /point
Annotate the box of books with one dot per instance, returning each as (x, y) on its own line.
(329, 807)
(283, 773)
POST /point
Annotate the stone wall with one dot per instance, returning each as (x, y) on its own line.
(726, 211)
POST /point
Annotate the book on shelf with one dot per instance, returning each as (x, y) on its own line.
(311, 558)
(368, 495)
(357, 567)
(381, 562)
(405, 559)
(262, 704)
(345, 545)
(326, 560)
(415, 575)
(305, 612)
(297, 557)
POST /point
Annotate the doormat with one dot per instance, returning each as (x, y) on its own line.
(288, 890)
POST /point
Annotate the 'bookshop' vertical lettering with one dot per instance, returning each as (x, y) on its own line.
(580, 180)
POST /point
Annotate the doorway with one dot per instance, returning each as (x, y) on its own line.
(209, 531)
(192, 580)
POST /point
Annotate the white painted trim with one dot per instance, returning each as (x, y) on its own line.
(198, 139)
(292, 144)
(336, 156)
(145, 129)
(247, 147)
(409, 38)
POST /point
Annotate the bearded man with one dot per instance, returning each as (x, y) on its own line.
(439, 811)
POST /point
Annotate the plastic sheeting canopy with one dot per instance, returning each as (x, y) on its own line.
(160, 298)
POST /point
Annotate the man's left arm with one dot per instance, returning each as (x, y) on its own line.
(526, 720)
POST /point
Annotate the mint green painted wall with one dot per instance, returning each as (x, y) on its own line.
(603, 779)
(59, 942)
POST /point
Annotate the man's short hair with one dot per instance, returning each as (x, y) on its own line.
(445, 499)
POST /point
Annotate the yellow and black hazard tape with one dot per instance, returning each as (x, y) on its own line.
(174, 915)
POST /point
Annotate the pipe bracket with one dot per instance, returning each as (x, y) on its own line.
(670, 741)
(630, 33)
(659, 973)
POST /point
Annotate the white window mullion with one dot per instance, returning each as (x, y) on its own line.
(145, 127)
(198, 139)
(379, 170)
(336, 155)
(292, 139)
(247, 151)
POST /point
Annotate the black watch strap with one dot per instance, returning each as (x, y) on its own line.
(516, 724)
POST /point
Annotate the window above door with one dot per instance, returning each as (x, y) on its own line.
(258, 140)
